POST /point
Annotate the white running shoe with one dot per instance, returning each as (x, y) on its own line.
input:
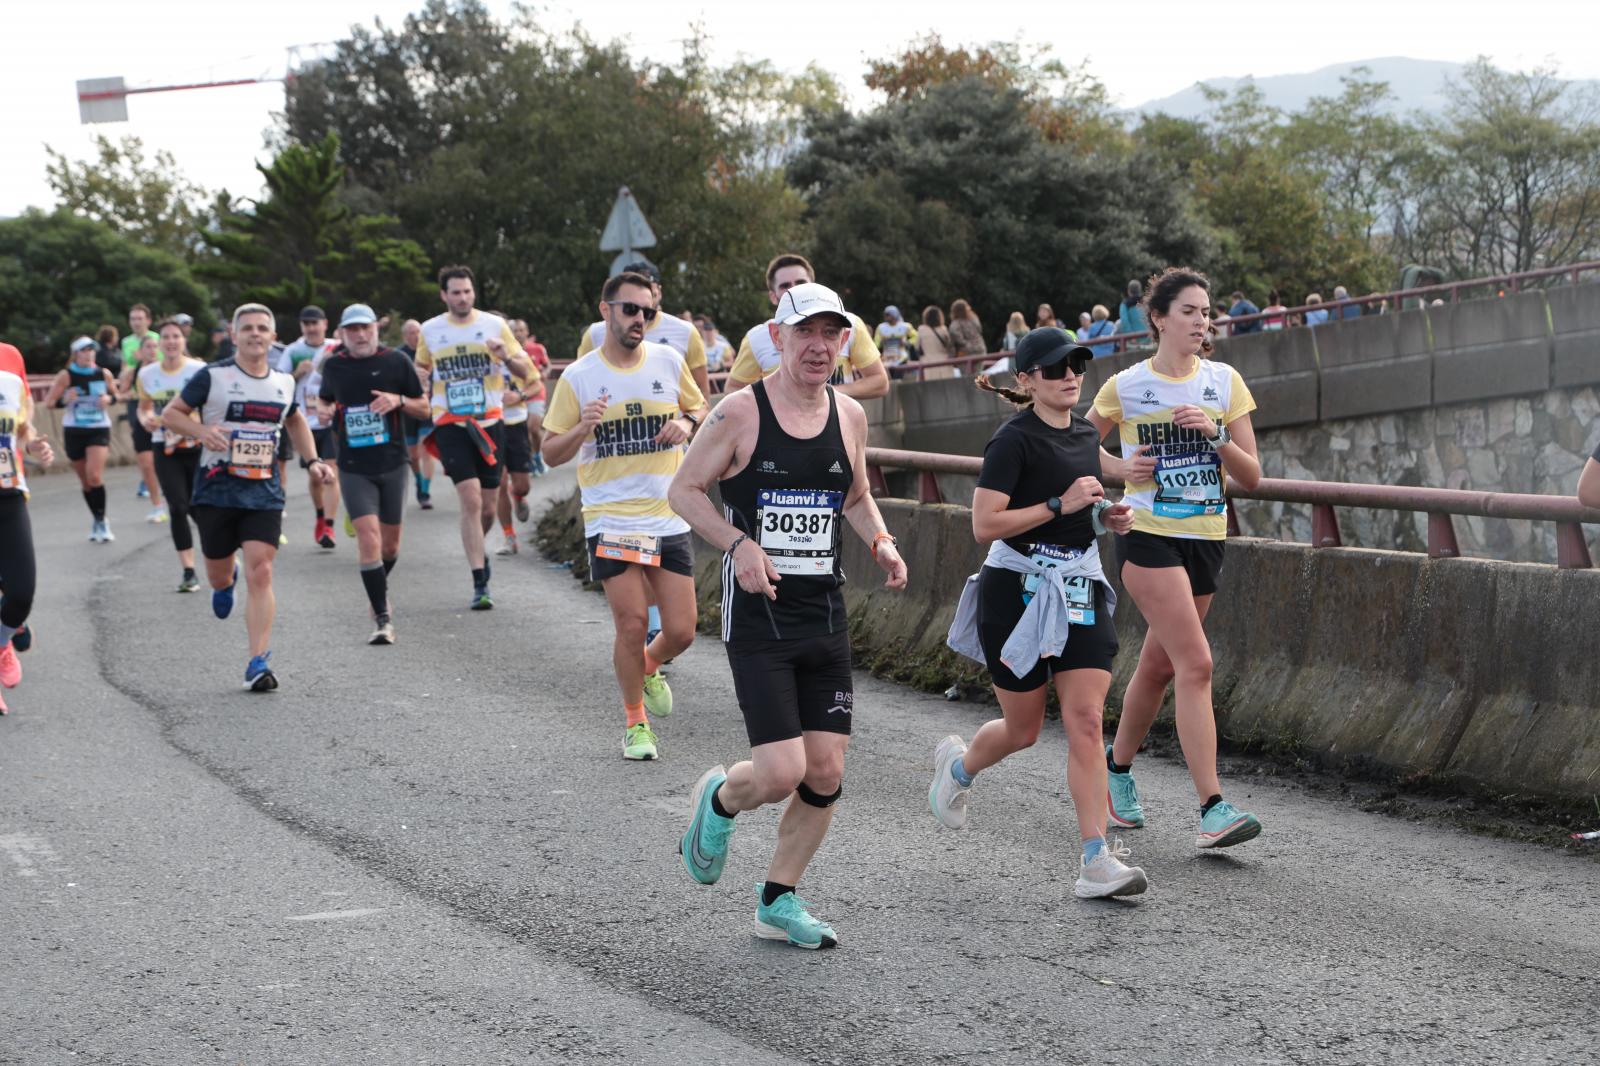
(946, 797)
(106, 536)
(157, 515)
(509, 547)
(1107, 874)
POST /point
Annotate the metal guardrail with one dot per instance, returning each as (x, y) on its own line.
(1441, 506)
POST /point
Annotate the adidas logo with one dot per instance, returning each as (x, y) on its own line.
(834, 469)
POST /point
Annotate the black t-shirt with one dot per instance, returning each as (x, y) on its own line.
(1031, 461)
(406, 350)
(369, 443)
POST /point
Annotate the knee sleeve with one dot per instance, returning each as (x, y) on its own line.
(808, 795)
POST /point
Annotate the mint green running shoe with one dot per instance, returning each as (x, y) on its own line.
(1123, 807)
(1226, 825)
(658, 695)
(788, 919)
(705, 846)
(639, 743)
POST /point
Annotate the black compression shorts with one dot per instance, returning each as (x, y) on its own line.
(789, 687)
(1000, 606)
(1202, 559)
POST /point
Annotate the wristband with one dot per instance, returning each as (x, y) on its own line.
(882, 537)
(1094, 516)
(740, 539)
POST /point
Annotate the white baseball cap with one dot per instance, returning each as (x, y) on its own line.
(81, 343)
(357, 315)
(802, 301)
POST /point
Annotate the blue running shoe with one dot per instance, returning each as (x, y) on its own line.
(1226, 825)
(788, 919)
(258, 676)
(222, 599)
(705, 846)
(1123, 808)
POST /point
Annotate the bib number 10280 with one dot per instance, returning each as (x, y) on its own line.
(1189, 485)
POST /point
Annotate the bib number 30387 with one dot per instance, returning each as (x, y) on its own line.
(799, 529)
(464, 398)
(1080, 591)
(250, 453)
(1189, 485)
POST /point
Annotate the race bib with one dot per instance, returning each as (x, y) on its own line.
(364, 427)
(1080, 590)
(1189, 485)
(464, 398)
(798, 529)
(8, 462)
(629, 548)
(87, 412)
(251, 452)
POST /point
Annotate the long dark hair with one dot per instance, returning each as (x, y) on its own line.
(1015, 397)
(1163, 289)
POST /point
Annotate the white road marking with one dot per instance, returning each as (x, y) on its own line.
(334, 916)
(28, 852)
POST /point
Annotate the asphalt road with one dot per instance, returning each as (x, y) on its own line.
(434, 853)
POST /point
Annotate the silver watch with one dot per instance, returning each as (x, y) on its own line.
(1222, 437)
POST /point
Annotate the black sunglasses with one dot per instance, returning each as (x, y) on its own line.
(1057, 371)
(631, 309)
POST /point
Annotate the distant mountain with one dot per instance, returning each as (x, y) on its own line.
(1418, 85)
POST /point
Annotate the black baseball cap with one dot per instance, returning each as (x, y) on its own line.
(312, 313)
(645, 267)
(1047, 346)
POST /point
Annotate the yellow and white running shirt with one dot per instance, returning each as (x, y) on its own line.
(758, 356)
(467, 380)
(670, 330)
(159, 387)
(16, 407)
(515, 413)
(623, 473)
(1187, 497)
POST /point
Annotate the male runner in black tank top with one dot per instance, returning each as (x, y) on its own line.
(790, 454)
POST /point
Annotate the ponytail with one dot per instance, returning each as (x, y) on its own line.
(1012, 396)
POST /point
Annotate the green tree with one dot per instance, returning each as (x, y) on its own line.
(62, 276)
(145, 199)
(303, 244)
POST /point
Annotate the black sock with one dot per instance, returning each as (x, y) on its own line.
(1112, 765)
(188, 571)
(716, 805)
(377, 582)
(1205, 808)
(480, 577)
(320, 514)
(771, 891)
(388, 564)
(96, 499)
(485, 569)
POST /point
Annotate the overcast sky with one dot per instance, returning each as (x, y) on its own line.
(1140, 50)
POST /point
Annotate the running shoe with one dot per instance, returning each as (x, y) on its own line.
(425, 502)
(658, 695)
(946, 795)
(283, 540)
(94, 531)
(349, 527)
(10, 669)
(157, 515)
(143, 491)
(1108, 874)
(1225, 825)
(639, 743)
(189, 583)
(481, 600)
(106, 536)
(786, 918)
(326, 539)
(539, 469)
(258, 676)
(22, 639)
(384, 634)
(222, 599)
(705, 846)
(508, 548)
(523, 513)
(1123, 806)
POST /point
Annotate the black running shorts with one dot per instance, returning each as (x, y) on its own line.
(224, 529)
(461, 459)
(327, 442)
(677, 555)
(789, 687)
(383, 495)
(518, 453)
(1000, 607)
(1202, 559)
(77, 442)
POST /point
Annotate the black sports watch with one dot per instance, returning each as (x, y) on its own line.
(1054, 503)
(693, 421)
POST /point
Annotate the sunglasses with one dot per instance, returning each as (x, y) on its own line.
(631, 309)
(1057, 371)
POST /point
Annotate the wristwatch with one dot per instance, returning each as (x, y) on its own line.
(1222, 437)
(1054, 504)
(693, 421)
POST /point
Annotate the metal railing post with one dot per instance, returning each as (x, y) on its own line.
(1325, 527)
(1442, 537)
(1233, 520)
(928, 488)
(876, 481)
(1572, 552)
